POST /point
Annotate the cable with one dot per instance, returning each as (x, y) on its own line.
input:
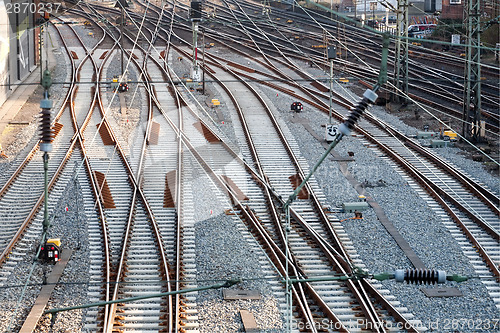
(437, 177)
(408, 97)
(441, 122)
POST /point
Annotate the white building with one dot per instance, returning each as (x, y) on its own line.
(17, 45)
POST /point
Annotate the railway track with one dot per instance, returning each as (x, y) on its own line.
(141, 229)
(438, 179)
(491, 215)
(351, 318)
(278, 164)
(357, 40)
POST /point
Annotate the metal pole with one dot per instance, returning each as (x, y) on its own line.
(40, 42)
(364, 17)
(46, 222)
(401, 67)
(195, 75)
(121, 38)
(331, 93)
(289, 298)
(203, 63)
(337, 23)
(472, 72)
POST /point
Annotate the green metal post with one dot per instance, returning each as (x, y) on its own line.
(46, 222)
(227, 284)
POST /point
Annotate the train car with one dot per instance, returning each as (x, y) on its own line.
(421, 30)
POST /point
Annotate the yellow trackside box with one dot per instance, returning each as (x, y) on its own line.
(452, 135)
(55, 241)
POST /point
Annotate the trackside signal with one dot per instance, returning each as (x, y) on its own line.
(51, 251)
(296, 106)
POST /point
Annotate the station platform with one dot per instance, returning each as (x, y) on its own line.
(16, 100)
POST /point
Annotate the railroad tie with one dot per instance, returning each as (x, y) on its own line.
(296, 180)
(104, 191)
(154, 134)
(168, 198)
(207, 133)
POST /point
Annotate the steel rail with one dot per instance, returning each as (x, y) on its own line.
(432, 188)
(174, 317)
(375, 58)
(109, 317)
(421, 179)
(248, 214)
(31, 154)
(68, 103)
(93, 181)
(165, 269)
(304, 309)
(316, 83)
(340, 260)
(457, 220)
(370, 312)
(477, 190)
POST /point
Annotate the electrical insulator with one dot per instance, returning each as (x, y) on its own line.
(368, 97)
(420, 276)
(46, 134)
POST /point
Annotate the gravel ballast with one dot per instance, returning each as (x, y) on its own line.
(223, 252)
(411, 215)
